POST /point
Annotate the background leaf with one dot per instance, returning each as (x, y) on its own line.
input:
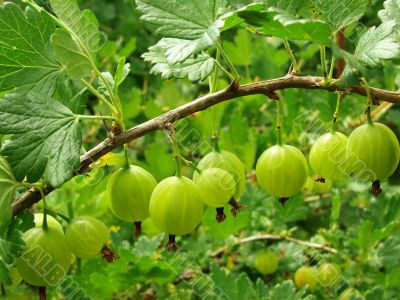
(341, 13)
(46, 138)
(197, 22)
(26, 58)
(77, 42)
(7, 190)
(376, 44)
(195, 69)
(391, 12)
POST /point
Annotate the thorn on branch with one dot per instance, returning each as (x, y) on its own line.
(273, 95)
(234, 86)
(169, 126)
(106, 126)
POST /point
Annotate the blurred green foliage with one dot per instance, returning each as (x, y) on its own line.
(364, 230)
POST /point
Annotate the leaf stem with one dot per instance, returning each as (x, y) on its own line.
(278, 123)
(369, 101)
(331, 68)
(86, 117)
(110, 91)
(99, 96)
(126, 146)
(213, 82)
(61, 215)
(273, 237)
(176, 151)
(227, 60)
(44, 224)
(230, 76)
(336, 113)
(189, 163)
(295, 65)
(322, 51)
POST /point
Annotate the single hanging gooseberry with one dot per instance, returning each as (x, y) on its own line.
(329, 275)
(46, 258)
(86, 236)
(373, 153)
(266, 262)
(328, 154)
(129, 191)
(216, 187)
(306, 277)
(282, 171)
(230, 163)
(176, 207)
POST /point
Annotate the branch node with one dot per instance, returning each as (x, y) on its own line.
(235, 85)
(375, 100)
(273, 95)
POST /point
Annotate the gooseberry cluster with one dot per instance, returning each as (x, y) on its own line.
(370, 153)
(47, 255)
(175, 205)
(327, 275)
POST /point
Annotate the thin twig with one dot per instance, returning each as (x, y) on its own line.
(276, 237)
(234, 91)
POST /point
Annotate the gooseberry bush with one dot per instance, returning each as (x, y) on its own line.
(205, 149)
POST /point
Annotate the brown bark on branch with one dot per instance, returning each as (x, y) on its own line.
(267, 88)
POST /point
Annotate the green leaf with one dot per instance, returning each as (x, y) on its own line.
(377, 293)
(230, 286)
(291, 7)
(78, 40)
(349, 78)
(240, 52)
(376, 44)
(230, 226)
(389, 252)
(46, 138)
(159, 162)
(196, 22)
(391, 12)
(121, 73)
(294, 210)
(286, 26)
(195, 69)
(341, 13)
(114, 82)
(77, 63)
(70, 96)
(7, 189)
(26, 58)
(287, 290)
(232, 19)
(336, 207)
(350, 58)
(146, 247)
(11, 245)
